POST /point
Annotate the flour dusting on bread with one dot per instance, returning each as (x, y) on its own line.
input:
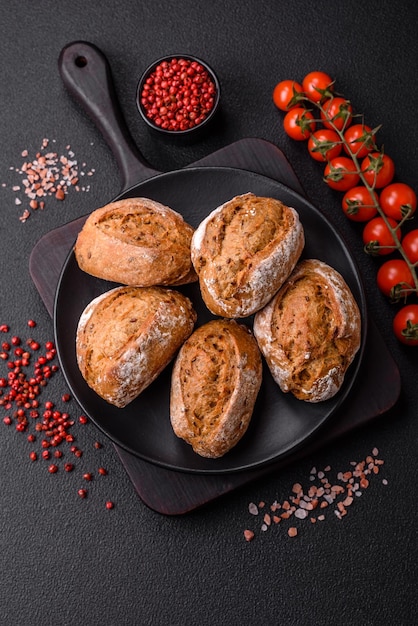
(310, 332)
(136, 241)
(243, 251)
(215, 381)
(127, 336)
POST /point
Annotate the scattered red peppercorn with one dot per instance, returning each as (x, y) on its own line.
(20, 397)
(102, 471)
(109, 504)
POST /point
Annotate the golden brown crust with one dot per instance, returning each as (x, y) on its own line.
(215, 382)
(127, 336)
(310, 332)
(243, 252)
(138, 242)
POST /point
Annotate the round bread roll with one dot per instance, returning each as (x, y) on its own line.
(310, 332)
(215, 381)
(126, 337)
(138, 242)
(244, 251)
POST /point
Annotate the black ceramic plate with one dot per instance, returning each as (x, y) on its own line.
(280, 423)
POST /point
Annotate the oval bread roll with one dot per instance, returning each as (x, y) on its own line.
(215, 381)
(126, 337)
(138, 242)
(310, 332)
(244, 251)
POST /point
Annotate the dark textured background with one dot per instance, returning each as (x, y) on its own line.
(66, 561)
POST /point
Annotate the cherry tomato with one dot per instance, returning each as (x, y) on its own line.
(341, 173)
(377, 237)
(398, 200)
(299, 123)
(359, 204)
(410, 245)
(378, 169)
(394, 278)
(285, 94)
(405, 325)
(324, 144)
(337, 113)
(360, 140)
(317, 86)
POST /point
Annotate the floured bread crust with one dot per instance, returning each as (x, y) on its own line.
(127, 336)
(215, 382)
(310, 332)
(136, 241)
(244, 251)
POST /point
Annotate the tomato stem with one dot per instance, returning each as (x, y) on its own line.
(371, 188)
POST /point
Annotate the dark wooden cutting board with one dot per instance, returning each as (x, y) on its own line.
(171, 492)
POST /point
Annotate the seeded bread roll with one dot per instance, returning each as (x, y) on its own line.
(244, 251)
(138, 242)
(215, 382)
(127, 336)
(310, 332)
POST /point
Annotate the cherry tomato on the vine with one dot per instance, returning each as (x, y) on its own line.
(299, 123)
(359, 204)
(405, 325)
(378, 169)
(410, 245)
(285, 94)
(377, 237)
(398, 200)
(324, 144)
(341, 173)
(317, 86)
(337, 113)
(394, 279)
(359, 140)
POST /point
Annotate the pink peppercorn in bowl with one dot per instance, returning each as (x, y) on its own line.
(178, 96)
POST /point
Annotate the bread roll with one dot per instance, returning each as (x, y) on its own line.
(215, 382)
(310, 332)
(126, 337)
(136, 242)
(243, 252)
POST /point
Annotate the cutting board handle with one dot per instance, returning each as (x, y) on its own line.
(86, 74)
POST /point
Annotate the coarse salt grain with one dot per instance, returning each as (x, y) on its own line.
(253, 508)
(46, 174)
(337, 497)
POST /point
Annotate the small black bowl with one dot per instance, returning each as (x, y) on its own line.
(189, 64)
